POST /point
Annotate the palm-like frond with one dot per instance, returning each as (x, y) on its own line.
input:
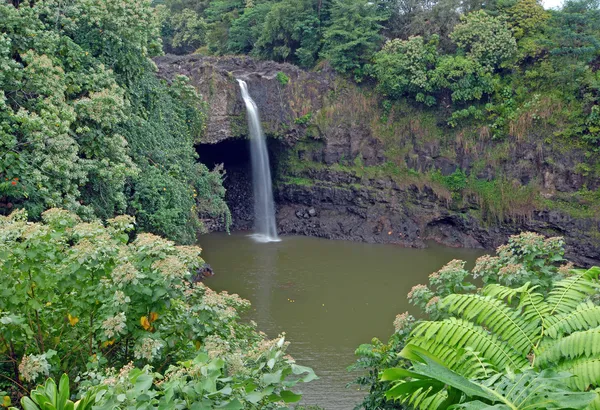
(463, 334)
(466, 362)
(585, 316)
(497, 331)
(504, 292)
(533, 305)
(493, 314)
(568, 293)
(578, 344)
(595, 404)
(586, 372)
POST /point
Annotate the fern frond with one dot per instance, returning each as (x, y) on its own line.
(585, 316)
(585, 371)
(493, 314)
(570, 292)
(595, 404)
(466, 362)
(463, 334)
(533, 305)
(504, 292)
(474, 366)
(427, 399)
(584, 343)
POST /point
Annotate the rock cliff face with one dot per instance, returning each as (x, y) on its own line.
(346, 169)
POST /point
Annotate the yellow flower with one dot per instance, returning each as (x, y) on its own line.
(145, 323)
(153, 316)
(108, 343)
(5, 401)
(72, 320)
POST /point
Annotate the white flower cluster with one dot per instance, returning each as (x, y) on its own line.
(148, 349)
(121, 298)
(114, 325)
(125, 274)
(33, 366)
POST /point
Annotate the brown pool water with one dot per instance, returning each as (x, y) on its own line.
(327, 296)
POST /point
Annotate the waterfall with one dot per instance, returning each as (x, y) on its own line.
(264, 207)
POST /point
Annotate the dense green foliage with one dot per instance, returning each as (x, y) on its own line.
(86, 299)
(486, 64)
(534, 316)
(86, 125)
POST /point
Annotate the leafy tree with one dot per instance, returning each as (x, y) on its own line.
(575, 30)
(414, 68)
(424, 18)
(60, 114)
(526, 17)
(220, 15)
(405, 67)
(183, 32)
(462, 78)
(290, 33)
(353, 36)
(485, 39)
(246, 30)
(76, 134)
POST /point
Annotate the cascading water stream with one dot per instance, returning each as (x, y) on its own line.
(264, 207)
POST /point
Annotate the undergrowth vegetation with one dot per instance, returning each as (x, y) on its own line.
(526, 339)
(125, 317)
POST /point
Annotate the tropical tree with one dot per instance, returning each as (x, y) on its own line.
(291, 32)
(486, 39)
(405, 67)
(353, 35)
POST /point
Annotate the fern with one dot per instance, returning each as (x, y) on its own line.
(534, 307)
(504, 292)
(578, 344)
(586, 372)
(463, 334)
(585, 316)
(466, 362)
(496, 316)
(568, 293)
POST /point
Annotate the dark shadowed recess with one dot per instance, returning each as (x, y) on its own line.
(234, 155)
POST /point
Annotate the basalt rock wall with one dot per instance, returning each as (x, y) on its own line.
(346, 169)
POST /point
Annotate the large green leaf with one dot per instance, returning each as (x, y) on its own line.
(526, 390)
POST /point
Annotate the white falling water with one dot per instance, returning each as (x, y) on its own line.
(264, 207)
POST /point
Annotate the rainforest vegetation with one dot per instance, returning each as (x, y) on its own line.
(480, 62)
(102, 197)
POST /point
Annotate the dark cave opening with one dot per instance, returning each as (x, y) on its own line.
(234, 154)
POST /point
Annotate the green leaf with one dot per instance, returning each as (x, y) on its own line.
(63, 392)
(290, 397)
(28, 404)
